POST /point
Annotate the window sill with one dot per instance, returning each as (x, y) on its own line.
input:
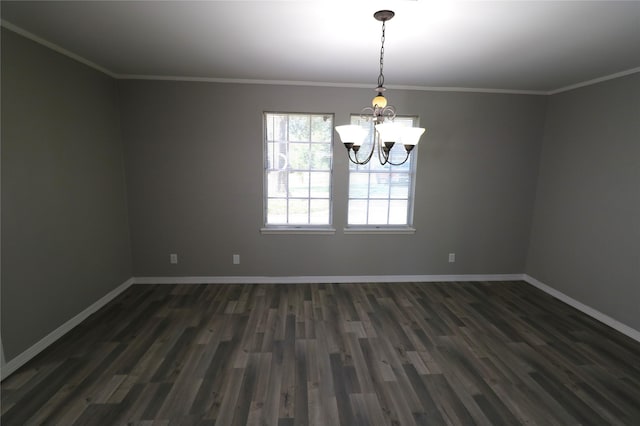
(300, 230)
(380, 230)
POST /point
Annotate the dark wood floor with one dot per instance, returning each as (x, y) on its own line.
(332, 354)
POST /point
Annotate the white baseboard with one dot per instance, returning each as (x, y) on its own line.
(326, 279)
(616, 325)
(50, 338)
(34, 350)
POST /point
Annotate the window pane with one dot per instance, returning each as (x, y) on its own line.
(299, 128)
(379, 185)
(378, 210)
(277, 184)
(358, 212)
(405, 167)
(398, 212)
(277, 211)
(374, 164)
(299, 156)
(270, 155)
(358, 167)
(277, 156)
(320, 184)
(277, 127)
(321, 128)
(298, 211)
(298, 184)
(320, 156)
(319, 212)
(399, 185)
(269, 127)
(358, 185)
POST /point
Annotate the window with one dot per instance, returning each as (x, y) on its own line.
(381, 197)
(298, 163)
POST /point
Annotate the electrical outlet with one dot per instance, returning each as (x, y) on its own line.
(173, 258)
(452, 257)
(236, 259)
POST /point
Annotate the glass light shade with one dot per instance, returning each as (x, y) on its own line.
(351, 133)
(379, 101)
(389, 132)
(411, 135)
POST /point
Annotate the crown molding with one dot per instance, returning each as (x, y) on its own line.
(16, 29)
(55, 47)
(325, 84)
(241, 81)
(594, 81)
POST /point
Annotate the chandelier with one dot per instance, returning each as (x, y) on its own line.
(385, 134)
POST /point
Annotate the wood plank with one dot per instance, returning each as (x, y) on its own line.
(331, 354)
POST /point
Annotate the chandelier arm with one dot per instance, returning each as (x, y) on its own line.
(373, 147)
(382, 157)
(355, 160)
(366, 113)
(355, 157)
(389, 112)
(399, 164)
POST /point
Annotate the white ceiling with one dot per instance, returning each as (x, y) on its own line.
(540, 46)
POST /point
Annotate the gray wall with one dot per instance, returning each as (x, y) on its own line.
(193, 154)
(65, 238)
(586, 230)
(194, 167)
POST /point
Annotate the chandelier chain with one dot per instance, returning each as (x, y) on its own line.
(381, 76)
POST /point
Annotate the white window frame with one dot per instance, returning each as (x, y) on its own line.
(291, 228)
(384, 228)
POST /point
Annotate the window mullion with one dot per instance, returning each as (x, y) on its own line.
(368, 192)
(389, 193)
(286, 182)
(287, 169)
(309, 175)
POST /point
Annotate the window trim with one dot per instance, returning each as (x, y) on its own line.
(309, 229)
(379, 230)
(388, 229)
(303, 230)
